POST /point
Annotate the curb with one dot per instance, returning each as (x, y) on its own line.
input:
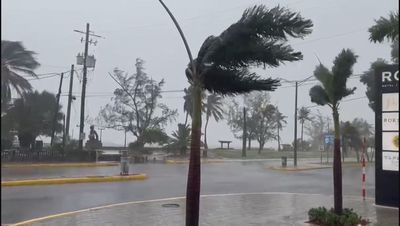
(291, 169)
(78, 164)
(73, 180)
(187, 161)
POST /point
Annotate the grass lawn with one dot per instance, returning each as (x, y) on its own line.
(266, 154)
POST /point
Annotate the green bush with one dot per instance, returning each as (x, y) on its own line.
(324, 217)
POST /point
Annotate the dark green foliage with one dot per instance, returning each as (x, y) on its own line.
(385, 28)
(321, 216)
(155, 135)
(333, 83)
(180, 140)
(258, 38)
(15, 62)
(33, 116)
(368, 78)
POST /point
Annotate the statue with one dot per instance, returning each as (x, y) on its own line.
(93, 142)
(93, 134)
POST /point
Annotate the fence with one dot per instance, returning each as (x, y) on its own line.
(45, 155)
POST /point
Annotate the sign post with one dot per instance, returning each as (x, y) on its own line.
(387, 136)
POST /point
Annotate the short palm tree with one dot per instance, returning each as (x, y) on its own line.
(213, 108)
(188, 102)
(280, 122)
(222, 67)
(330, 92)
(16, 62)
(181, 139)
(304, 115)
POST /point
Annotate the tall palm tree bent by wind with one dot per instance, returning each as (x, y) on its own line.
(222, 67)
(16, 61)
(330, 92)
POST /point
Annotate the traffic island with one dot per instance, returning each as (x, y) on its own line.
(73, 180)
(49, 165)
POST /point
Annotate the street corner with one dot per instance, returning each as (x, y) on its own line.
(73, 180)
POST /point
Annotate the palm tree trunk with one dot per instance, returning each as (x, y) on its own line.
(279, 141)
(194, 174)
(205, 139)
(249, 143)
(337, 166)
(186, 119)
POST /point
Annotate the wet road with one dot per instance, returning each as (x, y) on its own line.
(165, 180)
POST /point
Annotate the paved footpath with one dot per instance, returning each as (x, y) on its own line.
(278, 209)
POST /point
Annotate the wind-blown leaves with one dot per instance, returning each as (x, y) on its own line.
(318, 95)
(235, 81)
(385, 28)
(16, 61)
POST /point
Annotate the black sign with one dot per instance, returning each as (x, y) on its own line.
(387, 136)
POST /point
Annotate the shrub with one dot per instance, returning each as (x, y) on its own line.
(323, 217)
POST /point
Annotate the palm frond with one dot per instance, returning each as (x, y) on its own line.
(318, 95)
(341, 70)
(257, 38)
(227, 81)
(385, 28)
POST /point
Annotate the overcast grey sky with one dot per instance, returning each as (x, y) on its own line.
(141, 28)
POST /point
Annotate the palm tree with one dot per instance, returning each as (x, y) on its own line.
(16, 61)
(188, 103)
(222, 67)
(280, 122)
(181, 139)
(385, 28)
(330, 92)
(304, 115)
(213, 108)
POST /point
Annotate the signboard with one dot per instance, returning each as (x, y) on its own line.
(387, 135)
(329, 139)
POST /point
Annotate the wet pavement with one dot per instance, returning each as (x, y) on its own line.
(239, 209)
(165, 180)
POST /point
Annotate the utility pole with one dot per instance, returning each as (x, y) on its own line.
(56, 110)
(84, 79)
(71, 79)
(101, 132)
(295, 127)
(244, 134)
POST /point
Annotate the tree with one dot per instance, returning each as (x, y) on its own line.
(16, 61)
(316, 130)
(222, 67)
(263, 113)
(368, 78)
(351, 138)
(331, 91)
(180, 139)
(213, 108)
(235, 119)
(304, 115)
(384, 28)
(135, 105)
(365, 130)
(33, 116)
(280, 122)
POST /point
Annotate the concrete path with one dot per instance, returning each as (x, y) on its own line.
(229, 209)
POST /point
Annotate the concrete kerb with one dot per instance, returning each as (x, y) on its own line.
(298, 168)
(28, 222)
(45, 165)
(187, 161)
(73, 180)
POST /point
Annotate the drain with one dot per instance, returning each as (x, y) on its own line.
(170, 205)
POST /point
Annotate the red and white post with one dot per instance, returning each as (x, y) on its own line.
(363, 169)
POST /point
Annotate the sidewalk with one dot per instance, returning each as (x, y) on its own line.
(278, 209)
